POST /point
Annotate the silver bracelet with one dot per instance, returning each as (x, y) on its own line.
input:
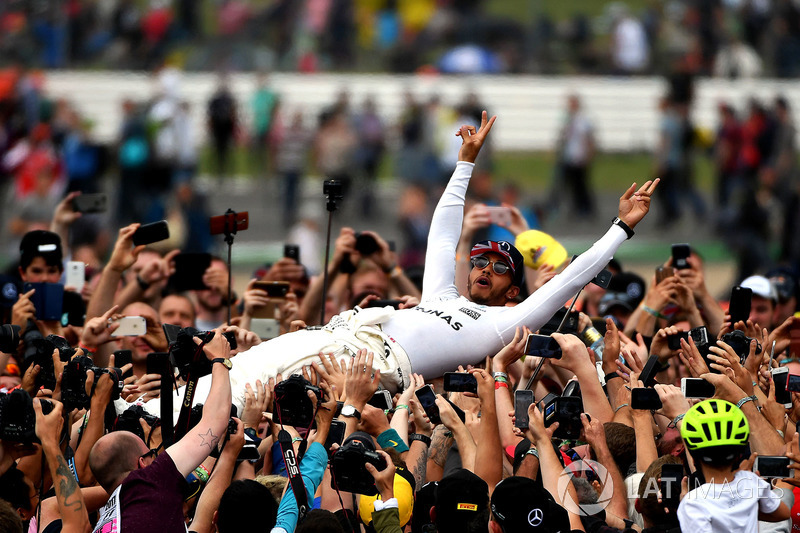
(746, 399)
(675, 421)
(495, 375)
(621, 406)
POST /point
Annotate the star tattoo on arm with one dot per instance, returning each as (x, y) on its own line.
(209, 439)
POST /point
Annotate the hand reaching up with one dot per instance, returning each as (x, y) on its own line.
(633, 206)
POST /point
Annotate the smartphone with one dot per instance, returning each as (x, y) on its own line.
(671, 477)
(229, 223)
(131, 326)
(664, 272)
(739, 307)
(74, 308)
(499, 215)
(335, 434)
(292, 251)
(427, 399)
(648, 375)
(646, 399)
(603, 279)
(48, 300)
(680, 255)
(780, 376)
(274, 289)
(383, 303)
(697, 388)
(265, 328)
(189, 271)
(122, 358)
(772, 466)
(674, 341)
(793, 383)
(542, 346)
(366, 244)
(76, 275)
(382, 400)
(522, 400)
(157, 362)
(150, 233)
(90, 203)
(460, 382)
(699, 335)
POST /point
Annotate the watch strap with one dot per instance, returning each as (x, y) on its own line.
(422, 438)
(223, 361)
(626, 228)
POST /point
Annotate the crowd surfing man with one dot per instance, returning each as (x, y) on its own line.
(445, 330)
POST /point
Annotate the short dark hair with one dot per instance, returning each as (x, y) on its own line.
(14, 490)
(10, 521)
(649, 506)
(320, 521)
(41, 243)
(245, 503)
(621, 440)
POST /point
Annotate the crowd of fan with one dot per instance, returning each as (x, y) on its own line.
(729, 38)
(596, 468)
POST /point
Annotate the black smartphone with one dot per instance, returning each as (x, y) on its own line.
(427, 399)
(381, 400)
(74, 308)
(335, 434)
(780, 377)
(648, 375)
(157, 362)
(542, 346)
(460, 382)
(699, 335)
(189, 270)
(292, 251)
(522, 400)
(793, 383)
(274, 289)
(671, 477)
(646, 399)
(739, 307)
(772, 466)
(697, 388)
(674, 341)
(680, 255)
(384, 303)
(48, 300)
(150, 233)
(90, 203)
(122, 358)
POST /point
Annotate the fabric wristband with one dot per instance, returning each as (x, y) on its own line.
(652, 312)
(500, 384)
(611, 375)
(391, 439)
(422, 438)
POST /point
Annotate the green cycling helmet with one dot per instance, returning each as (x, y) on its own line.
(713, 423)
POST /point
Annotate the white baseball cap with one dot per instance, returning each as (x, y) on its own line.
(761, 286)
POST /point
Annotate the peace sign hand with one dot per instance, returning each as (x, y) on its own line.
(633, 206)
(472, 140)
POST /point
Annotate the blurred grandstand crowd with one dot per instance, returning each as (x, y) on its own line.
(729, 38)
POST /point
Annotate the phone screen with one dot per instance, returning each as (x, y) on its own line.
(460, 382)
(648, 375)
(780, 376)
(697, 388)
(335, 434)
(292, 251)
(189, 270)
(522, 400)
(90, 203)
(674, 341)
(122, 358)
(542, 346)
(680, 254)
(646, 399)
(793, 383)
(772, 466)
(739, 308)
(427, 399)
(381, 400)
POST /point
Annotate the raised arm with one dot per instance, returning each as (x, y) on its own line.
(445, 229)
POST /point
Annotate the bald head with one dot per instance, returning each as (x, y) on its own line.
(115, 456)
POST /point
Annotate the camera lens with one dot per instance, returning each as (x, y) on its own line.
(9, 338)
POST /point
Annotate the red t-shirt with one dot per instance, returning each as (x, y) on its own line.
(151, 499)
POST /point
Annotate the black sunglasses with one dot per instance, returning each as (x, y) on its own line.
(498, 267)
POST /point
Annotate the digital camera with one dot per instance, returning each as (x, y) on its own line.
(128, 420)
(187, 356)
(740, 344)
(348, 470)
(292, 405)
(17, 417)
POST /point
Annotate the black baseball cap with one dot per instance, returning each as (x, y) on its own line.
(40, 243)
(508, 251)
(519, 505)
(460, 497)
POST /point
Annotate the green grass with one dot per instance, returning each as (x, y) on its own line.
(528, 10)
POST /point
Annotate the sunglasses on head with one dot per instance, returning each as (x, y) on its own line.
(482, 261)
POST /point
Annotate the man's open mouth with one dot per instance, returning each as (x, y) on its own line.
(483, 281)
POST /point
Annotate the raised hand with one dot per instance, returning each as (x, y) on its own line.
(633, 206)
(472, 140)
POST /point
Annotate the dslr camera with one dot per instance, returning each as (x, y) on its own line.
(187, 356)
(348, 470)
(9, 338)
(128, 420)
(39, 351)
(740, 343)
(73, 382)
(292, 404)
(17, 417)
(566, 410)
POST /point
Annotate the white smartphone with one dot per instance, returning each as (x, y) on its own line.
(265, 328)
(697, 388)
(500, 216)
(76, 275)
(131, 326)
(780, 376)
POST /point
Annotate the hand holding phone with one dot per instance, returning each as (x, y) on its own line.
(542, 346)
(740, 304)
(645, 399)
(499, 215)
(460, 382)
(131, 326)
(150, 233)
(522, 400)
(680, 256)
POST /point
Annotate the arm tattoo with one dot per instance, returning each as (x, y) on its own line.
(69, 492)
(421, 469)
(439, 447)
(209, 439)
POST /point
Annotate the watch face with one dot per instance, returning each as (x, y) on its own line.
(348, 410)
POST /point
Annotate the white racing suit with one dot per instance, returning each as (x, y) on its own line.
(444, 331)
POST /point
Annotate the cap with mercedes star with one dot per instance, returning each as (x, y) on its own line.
(509, 253)
(519, 505)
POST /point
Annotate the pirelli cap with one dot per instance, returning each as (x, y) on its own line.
(539, 249)
(460, 496)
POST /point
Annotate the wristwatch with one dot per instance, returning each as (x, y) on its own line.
(626, 228)
(224, 361)
(350, 411)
